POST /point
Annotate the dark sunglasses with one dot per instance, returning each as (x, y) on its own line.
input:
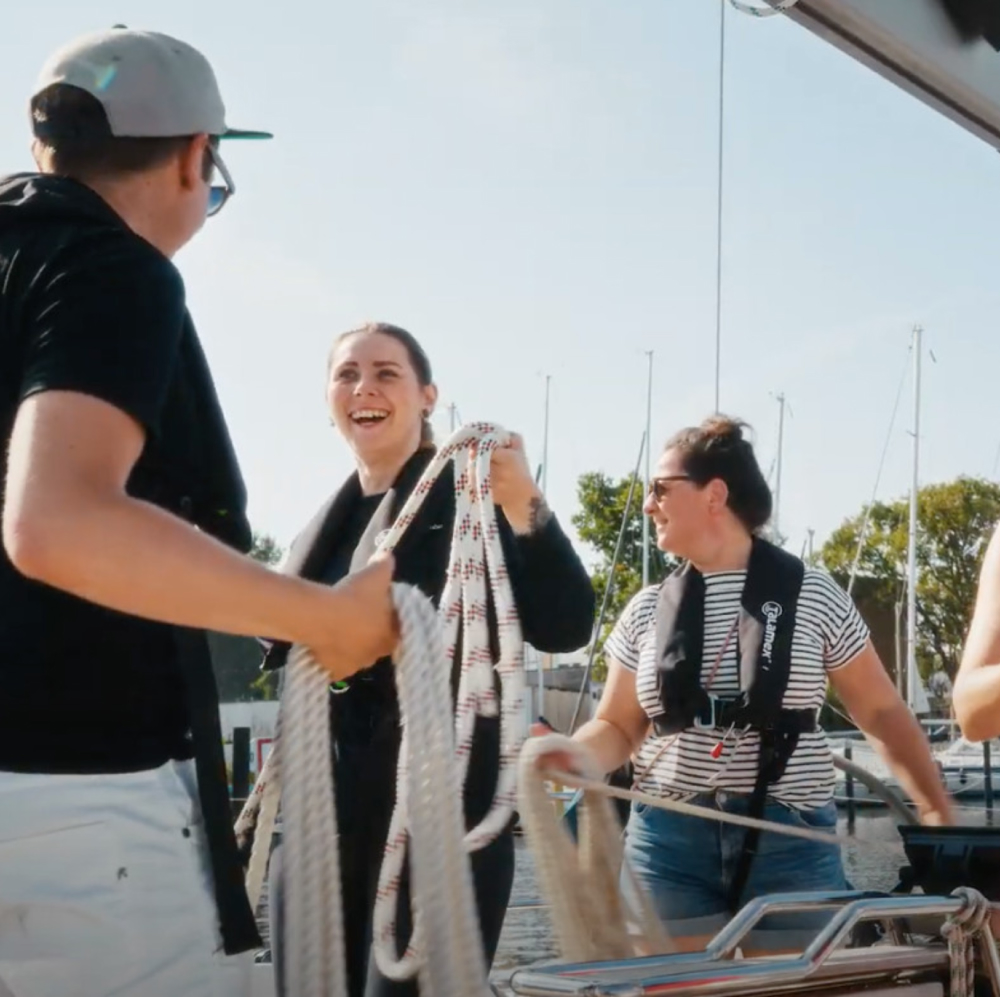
(658, 486)
(219, 194)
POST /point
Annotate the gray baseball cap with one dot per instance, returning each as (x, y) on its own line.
(150, 85)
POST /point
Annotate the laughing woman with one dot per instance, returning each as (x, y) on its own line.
(381, 394)
(714, 685)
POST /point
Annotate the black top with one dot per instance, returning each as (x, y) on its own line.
(87, 305)
(338, 561)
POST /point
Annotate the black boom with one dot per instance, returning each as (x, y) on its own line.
(975, 19)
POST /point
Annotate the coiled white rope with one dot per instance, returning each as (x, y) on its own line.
(315, 966)
(576, 880)
(431, 790)
(476, 554)
(427, 816)
(589, 913)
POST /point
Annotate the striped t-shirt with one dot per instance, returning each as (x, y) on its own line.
(829, 632)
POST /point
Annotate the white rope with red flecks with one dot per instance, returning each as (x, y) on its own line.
(433, 760)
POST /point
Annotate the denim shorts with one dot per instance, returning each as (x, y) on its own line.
(687, 865)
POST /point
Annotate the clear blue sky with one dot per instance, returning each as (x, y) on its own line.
(530, 187)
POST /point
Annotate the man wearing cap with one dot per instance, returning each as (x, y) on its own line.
(123, 525)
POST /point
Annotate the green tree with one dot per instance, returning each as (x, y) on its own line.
(266, 549)
(955, 520)
(602, 509)
(236, 660)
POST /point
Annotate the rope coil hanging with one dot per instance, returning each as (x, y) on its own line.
(577, 879)
(433, 760)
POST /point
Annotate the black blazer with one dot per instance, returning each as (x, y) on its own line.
(552, 590)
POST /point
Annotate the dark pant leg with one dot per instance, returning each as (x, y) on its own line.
(493, 877)
(493, 874)
(276, 917)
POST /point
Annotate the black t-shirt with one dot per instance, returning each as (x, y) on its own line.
(86, 305)
(357, 707)
(339, 561)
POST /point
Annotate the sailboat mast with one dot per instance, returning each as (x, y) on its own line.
(777, 479)
(718, 203)
(545, 440)
(911, 563)
(645, 518)
(545, 490)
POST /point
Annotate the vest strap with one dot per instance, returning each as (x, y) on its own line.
(719, 712)
(777, 743)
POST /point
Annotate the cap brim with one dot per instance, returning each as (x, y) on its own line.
(241, 133)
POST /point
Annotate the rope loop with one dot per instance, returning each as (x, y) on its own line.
(579, 879)
(961, 930)
(427, 823)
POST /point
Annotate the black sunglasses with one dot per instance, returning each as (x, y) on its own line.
(219, 194)
(658, 486)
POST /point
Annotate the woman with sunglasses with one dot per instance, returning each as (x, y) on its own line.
(381, 394)
(715, 680)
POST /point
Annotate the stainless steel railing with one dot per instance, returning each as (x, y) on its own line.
(714, 972)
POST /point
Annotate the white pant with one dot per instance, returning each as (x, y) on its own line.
(105, 889)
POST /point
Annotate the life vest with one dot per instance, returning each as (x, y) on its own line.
(764, 634)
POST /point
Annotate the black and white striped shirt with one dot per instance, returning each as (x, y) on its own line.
(829, 633)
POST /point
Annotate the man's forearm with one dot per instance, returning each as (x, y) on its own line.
(131, 556)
